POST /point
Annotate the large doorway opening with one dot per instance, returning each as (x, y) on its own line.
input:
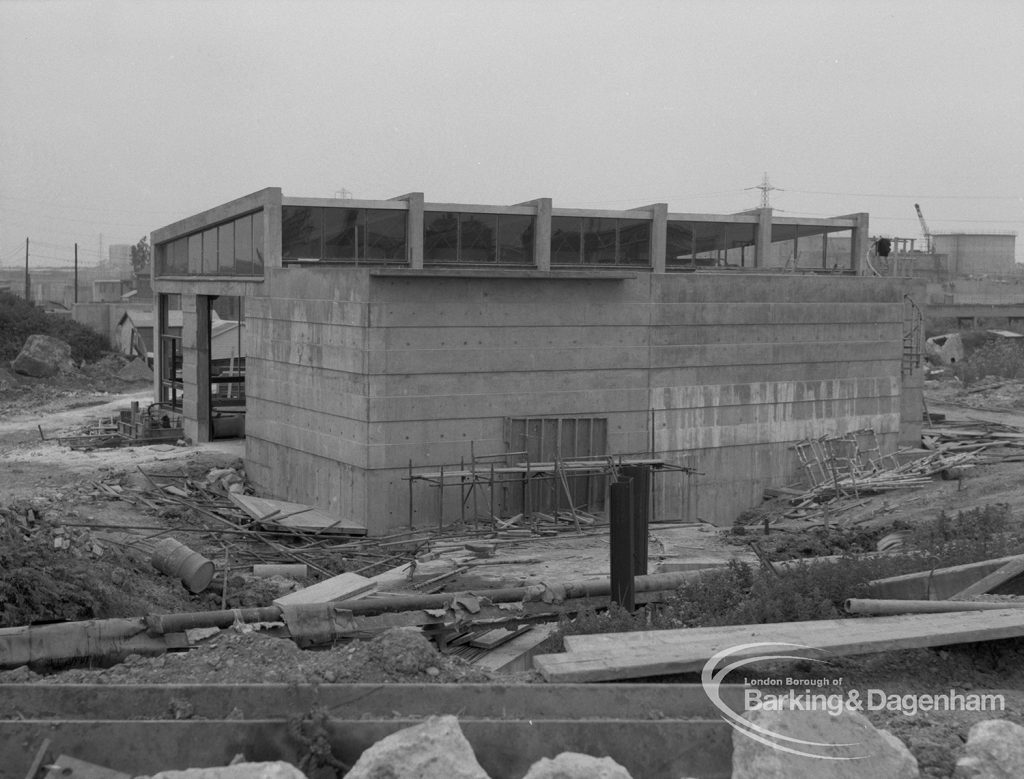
(226, 354)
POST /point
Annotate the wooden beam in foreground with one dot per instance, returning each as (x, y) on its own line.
(609, 656)
(999, 576)
(942, 583)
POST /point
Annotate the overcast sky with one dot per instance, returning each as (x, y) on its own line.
(117, 118)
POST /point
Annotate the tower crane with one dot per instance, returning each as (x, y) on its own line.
(925, 230)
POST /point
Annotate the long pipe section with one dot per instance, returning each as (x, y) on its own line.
(176, 623)
(877, 607)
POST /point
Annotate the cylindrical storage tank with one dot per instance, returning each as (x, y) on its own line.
(177, 560)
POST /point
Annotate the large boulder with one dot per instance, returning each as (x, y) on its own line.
(434, 749)
(573, 765)
(867, 751)
(43, 356)
(994, 750)
(945, 349)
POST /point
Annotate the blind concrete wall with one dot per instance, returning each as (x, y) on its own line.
(352, 376)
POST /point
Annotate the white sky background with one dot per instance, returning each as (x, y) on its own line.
(117, 118)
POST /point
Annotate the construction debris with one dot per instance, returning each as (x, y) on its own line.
(131, 427)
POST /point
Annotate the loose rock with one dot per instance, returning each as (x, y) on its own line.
(573, 765)
(994, 750)
(875, 752)
(44, 356)
(436, 749)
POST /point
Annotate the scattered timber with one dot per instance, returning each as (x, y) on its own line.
(612, 656)
(345, 585)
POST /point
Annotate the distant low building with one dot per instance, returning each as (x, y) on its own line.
(978, 254)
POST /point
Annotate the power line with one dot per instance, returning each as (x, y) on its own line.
(911, 197)
(85, 208)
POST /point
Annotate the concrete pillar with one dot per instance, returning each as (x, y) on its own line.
(201, 387)
(414, 228)
(659, 234)
(763, 241)
(859, 241)
(159, 317)
(542, 234)
(272, 229)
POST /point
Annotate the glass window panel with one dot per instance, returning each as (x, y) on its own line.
(195, 253)
(162, 258)
(440, 236)
(341, 230)
(210, 250)
(634, 242)
(257, 244)
(739, 240)
(565, 240)
(515, 238)
(243, 245)
(678, 243)
(180, 250)
(226, 248)
(384, 234)
(301, 233)
(477, 237)
(599, 240)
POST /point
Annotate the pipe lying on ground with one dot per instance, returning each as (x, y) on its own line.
(111, 638)
(175, 623)
(878, 607)
(117, 638)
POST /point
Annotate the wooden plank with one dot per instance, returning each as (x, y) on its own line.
(296, 516)
(346, 585)
(495, 638)
(604, 657)
(940, 584)
(517, 654)
(999, 576)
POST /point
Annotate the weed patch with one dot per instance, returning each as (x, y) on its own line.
(800, 590)
(19, 319)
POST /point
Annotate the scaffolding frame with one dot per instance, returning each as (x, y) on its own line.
(495, 471)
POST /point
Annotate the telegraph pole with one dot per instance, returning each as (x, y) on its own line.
(76, 271)
(27, 299)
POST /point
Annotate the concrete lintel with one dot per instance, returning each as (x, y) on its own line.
(488, 273)
(222, 213)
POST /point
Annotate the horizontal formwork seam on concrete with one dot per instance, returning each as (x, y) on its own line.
(752, 355)
(329, 459)
(458, 408)
(743, 435)
(769, 315)
(281, 413)
(697, 335)
(773, 392)
(289, 366)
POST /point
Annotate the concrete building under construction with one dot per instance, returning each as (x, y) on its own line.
(378, 339)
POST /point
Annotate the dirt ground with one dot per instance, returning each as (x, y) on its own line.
(57, 488)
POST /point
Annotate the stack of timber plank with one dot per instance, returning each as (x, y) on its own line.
(613, 656)
(953, 617)
(990, 442)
